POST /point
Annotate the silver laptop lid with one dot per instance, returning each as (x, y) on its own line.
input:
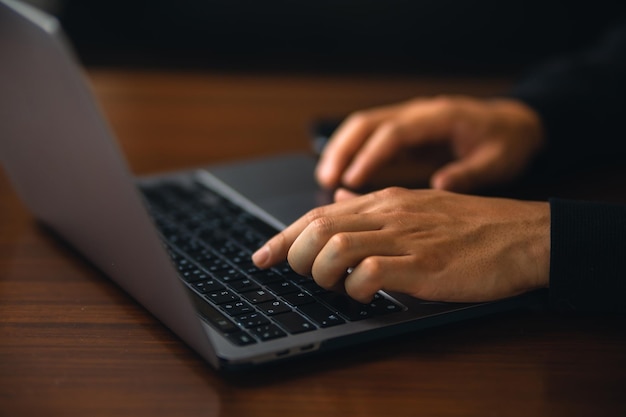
(64, 164)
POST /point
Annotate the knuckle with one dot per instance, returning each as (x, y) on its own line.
(447, 104)
(390, 128)
(340, 243)
(391, 192)
(392, 132)
(321, 226)
(314, 214)
(359, 118)
(443, 99)
(371, 269)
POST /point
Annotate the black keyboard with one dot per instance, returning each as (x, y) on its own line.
(210, 240)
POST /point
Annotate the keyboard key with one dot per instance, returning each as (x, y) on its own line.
(258, 296)
(346, 306)
(268, 332)
(252, 320)
(210, 242)
(192, 247)
(263, 228)
(382, 305)
(204, 256)
(229, 275)
(241, 338)
(207, 286)
(214, 265)
(237, 308)
(183, 265)
(273, 307)
(312, 288)
(195, 275)
(294, 323)
(295, 278)
(321, 315)
(282, 287)
(218, 267)
(298, 299)
(244, 285)
(213, 316)
(221, 296)
(284, 268)
(266, 276)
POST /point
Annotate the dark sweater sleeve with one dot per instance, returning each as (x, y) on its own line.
(581, 99)
(588, 256)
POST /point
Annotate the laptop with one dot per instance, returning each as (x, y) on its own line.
(180, 242)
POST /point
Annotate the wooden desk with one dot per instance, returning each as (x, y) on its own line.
(73, 344)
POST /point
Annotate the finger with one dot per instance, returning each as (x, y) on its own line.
(345, 250)
(403, 273)
(375, 273)
(328, 237)
(424, 122)
(479, 169)
(342, 194)
(345, 143)
(379, 149)
(276, 249)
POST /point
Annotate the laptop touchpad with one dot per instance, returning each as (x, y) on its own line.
(282, 185)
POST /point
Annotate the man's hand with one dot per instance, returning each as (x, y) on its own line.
(431, 244)
(484, 143)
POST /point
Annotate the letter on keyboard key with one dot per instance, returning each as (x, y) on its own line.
(237, 308)
(273, 307)
(268, 332)
(252, 320)
(259, 296)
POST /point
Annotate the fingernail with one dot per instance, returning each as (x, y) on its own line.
(261, 256)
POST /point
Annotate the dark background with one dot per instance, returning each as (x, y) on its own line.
(371, 36)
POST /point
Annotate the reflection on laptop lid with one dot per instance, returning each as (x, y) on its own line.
(180, 243)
